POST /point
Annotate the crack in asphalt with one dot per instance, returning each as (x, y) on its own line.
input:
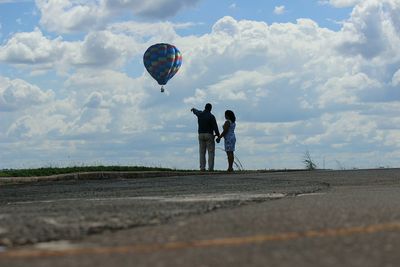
(30, 222)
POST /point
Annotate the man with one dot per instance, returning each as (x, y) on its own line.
(207, 127)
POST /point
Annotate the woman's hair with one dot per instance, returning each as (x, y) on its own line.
(230, 115)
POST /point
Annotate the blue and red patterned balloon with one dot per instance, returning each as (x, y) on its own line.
(162, 61)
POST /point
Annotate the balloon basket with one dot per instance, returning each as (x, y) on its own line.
(162, 89)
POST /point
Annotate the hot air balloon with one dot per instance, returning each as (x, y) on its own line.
(162, 61)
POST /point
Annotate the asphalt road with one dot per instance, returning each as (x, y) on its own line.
(324, 218)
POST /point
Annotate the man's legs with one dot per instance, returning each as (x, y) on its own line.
(202, 151)
(211, 151)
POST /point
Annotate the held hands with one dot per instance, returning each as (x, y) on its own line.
(218, 139)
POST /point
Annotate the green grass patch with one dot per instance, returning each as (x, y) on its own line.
(53, 170)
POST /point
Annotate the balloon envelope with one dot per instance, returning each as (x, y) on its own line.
(162, 61)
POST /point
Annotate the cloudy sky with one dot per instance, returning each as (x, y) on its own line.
(318, 76)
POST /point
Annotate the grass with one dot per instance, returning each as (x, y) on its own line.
(309, 163)
(56, 170)
(47, 171)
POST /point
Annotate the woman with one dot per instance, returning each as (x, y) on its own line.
(229, 137)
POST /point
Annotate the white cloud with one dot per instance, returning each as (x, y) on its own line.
(91, 121)
(299, 68)
(31, 48)
(143, 31)
(95, 100)
(18, 95)
(199, 98)
(11, 1)
(99, 49)
(396, 78)
(373, 30)
(279, 10)
(293, 86)
(345, 90)
(152, 8)
(345, 129)
(114, 97)
(341, 3)
(110, 48)
(100, 107)
(105, 48)
(75, 16)
(71, 15)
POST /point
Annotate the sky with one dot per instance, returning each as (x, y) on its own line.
(301, 76)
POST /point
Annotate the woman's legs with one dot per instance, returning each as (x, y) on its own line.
(230, 160)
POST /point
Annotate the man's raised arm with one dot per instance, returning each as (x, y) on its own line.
(195, 111)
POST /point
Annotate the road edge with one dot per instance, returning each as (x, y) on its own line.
(101, 175)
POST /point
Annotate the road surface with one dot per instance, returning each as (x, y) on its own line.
(321, 218)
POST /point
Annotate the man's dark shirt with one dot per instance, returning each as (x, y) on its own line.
(207, 122)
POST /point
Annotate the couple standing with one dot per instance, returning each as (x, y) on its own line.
(207, 127)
